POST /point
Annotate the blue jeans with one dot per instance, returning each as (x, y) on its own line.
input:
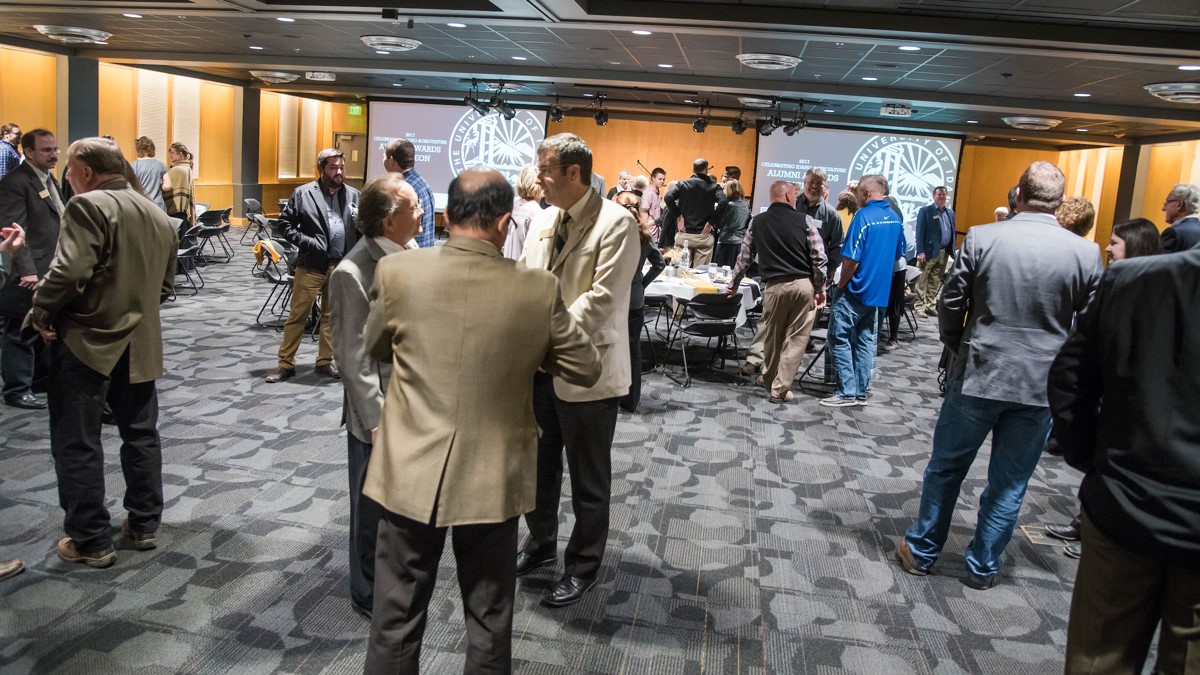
(852, 339)
(1019, 434)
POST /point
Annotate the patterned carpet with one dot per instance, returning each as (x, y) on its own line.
(746, 537)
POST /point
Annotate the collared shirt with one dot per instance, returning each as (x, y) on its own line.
(947, 223)
(428, 236)
(390, 246)
(816, 249)
(875, 240)
(10, 159)
(651, 203)
(51, 189)
(337, 227)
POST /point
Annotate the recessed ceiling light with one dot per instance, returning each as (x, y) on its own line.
(839, 44)
(642, 32)
(285, 19)
(614, 63)
(870, 79)
(520, 58)
(1190, 67)
(131, 15)
(829, 110)
(688, 100)
(1081, 129)
(457, 25)
(397, 84)
(380, 51)
(255, 47)
(665, 65)
(588, 95)
(909, 48)
(1080, 94)
(100, 42)
(972, 121)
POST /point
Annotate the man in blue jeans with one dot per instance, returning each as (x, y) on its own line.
(1006, 308)
(873, 242)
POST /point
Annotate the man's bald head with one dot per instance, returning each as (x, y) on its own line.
(700, 167)
(782, 192)
(478, 205)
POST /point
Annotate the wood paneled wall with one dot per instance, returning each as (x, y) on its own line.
(669, 143)
(984, 178)
(1169, 165)
(118, 107)
(28, 89)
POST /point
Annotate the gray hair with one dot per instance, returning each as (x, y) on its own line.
(640, 183)
(1188, 196)
(1042, 186)
(378, 201)
(570, 149)
(818, 172)
(878, 180)
(101, 155)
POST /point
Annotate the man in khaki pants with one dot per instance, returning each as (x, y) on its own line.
(320, 220)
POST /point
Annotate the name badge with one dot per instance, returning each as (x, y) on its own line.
(937, 216)
(546, 233)
(44, 194)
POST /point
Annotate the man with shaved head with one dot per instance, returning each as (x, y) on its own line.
(791, 257)
(456, 448)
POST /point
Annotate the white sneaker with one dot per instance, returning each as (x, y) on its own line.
(838, 402)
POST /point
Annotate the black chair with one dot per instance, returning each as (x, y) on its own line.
(828, 375)
(214, 225)
(280, 276)
(707, 316)
(251, 208)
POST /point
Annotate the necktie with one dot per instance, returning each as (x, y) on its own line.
(55, 199)
(560, 235)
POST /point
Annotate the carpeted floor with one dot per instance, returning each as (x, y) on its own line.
(746, 537)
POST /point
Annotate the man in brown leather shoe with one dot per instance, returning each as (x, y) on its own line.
(320, 219)
(10, 568)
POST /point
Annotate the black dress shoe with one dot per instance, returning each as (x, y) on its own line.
(528, 561)
(1069, 532)
(1074, 550)
(568, 591)
(27, 401)
(363, 611)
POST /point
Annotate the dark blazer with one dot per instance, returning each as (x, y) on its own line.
(929, 231)
(1181, 236)
(698, 199)
(302, 222)
(21, 202)
(1123, 392)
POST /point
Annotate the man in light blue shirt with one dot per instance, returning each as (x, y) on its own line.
(873, 242)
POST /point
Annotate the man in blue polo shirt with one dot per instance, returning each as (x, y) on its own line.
(873, 242)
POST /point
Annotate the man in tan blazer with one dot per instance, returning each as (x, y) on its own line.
(98, 308)
(465, 330)
(389, 217)
(591, 244)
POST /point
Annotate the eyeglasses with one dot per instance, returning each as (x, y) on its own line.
(1177, 201)
(543, 170)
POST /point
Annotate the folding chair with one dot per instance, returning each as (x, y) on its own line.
(707, 316)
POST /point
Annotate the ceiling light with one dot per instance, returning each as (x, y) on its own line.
(739, 126)
(255, 47)
(601, 117)
(642, 32)
(688, 100)
(1176, 92)
(274, 76)
(72, 35)
(589, 95)
(1031, 123)
(1081, 129)
(457, 25)
(909, 48)
(1189, 67)
(380, 51)
(131, 15)
(285, 19)
(504, 108)
(100, 42)
(767, 125)
(700, 124)
(752, 102)
(501, 86)
(614, 63)
(795, 125)
(870, 79)
(390, 43)
(476, 105)
(520, 58)
(829, 110)
(1080, 94)
(768, 61)
(972, 121)
(556, 112)
(665, 65)
(397, 84)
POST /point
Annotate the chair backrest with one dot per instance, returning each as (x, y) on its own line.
(251, 207)
(225, 215)
(209, 219)
(189, 235)
(715, 307)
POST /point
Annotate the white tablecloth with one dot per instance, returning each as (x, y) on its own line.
(678, 288)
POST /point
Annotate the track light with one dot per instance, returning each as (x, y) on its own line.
(506, 111)
(739, 126)
(767, 125)
(700, 125)
(795, 125)
(556, 112)
(601, 117)
(477, 105)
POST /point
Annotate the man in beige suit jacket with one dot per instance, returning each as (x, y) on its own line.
(591, 244)
(389, 217)
(465, 330)
(98, 306)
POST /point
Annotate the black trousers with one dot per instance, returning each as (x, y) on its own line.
(405, 573)
(726, 254)
(895, 307)
(76, 401)
(630, 401)
(18, 357)
(585, 430)
(364, 524)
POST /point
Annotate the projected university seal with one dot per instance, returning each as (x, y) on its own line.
(504, 145)
(912, 165)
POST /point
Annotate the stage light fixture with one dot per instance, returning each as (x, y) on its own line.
(601, 117)
(505, 109)
(556, 111)
(477, 105)
(739, 126)
(700, 124)
(768, 125)
(795, 125)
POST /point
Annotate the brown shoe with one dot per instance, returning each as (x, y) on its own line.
(329, 370)
(905, 557)
(280, 374)
(10, 568)
(142, 541)
(99, 559)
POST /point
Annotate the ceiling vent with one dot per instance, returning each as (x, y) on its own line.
(389, 43)
(752, 102)
(769, 61)
(1176, 92)
(72, 35)
(502, 87)
(1032, 123)
(274, 76)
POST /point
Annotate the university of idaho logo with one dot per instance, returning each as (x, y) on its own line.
(504, 145)
(913, 167)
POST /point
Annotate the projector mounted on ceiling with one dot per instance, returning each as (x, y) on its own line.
(72, 35)
(1176, 92)
(390, 43)
(1029, 123)
(274, 76)
(769, 61)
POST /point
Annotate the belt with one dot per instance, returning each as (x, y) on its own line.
(786, 278)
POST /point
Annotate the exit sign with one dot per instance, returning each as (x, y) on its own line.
(355, 110)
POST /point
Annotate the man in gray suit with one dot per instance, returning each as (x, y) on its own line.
(1006, 308)
(389, 217)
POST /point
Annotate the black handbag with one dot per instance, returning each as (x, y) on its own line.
(15, 301)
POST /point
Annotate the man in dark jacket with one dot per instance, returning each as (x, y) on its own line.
(1123, 391)
(320, 220)
(935, 246)
(1180, 209)
(699, 200)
